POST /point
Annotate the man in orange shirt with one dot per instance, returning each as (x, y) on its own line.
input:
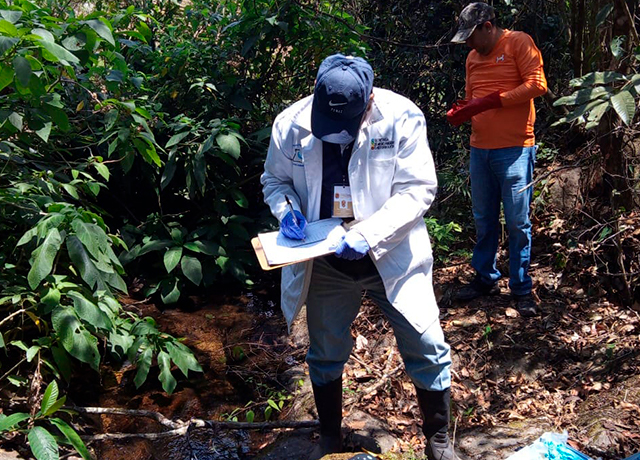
(504, 73)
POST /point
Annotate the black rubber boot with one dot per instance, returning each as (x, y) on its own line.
(435, 408)
(329, 406)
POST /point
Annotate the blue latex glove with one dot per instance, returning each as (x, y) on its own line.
(289, 228)
(353, 246)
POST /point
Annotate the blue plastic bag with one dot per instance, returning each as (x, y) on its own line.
(549, 446)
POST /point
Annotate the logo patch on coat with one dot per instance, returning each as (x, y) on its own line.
(382, 143)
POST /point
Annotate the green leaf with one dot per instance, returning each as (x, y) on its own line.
(176, 138)
(43, 258)
(58, 116)
(603, 14)
(625, 106)
(272, 403)
(192, 269)
(89, 312)
(6, 77)
(166, 377)
(147, 150)
(169, 170)
(172, 258)
(72, 437)
(44, 132)
(597, 78)
(74, 337)
(12, 16)
(12, 420)
(250, 416)
(55, 407)
(44, 34)
(83, 262)
(583, 96)
(205, 247)
(6, 43)
(63, 361)
(170, 291)
(103, 170)
(102, 29)
(50, 397)
(51, 298)
(183, 357)
(239, 198)
(32, 352)
(57, 53)
(6, 28)
(144, 364)
(596, 113)
(229, 144)
(616, 46)
(43, 444)
(16, 120)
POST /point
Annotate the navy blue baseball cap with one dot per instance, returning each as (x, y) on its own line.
(340, 98)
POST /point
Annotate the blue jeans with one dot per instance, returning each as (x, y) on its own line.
(500, 175)
(332, 304)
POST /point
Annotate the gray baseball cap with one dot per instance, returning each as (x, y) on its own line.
(471, 17)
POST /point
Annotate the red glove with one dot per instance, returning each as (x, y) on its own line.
(462, 111)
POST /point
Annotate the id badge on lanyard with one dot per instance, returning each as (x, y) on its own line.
(342, 203)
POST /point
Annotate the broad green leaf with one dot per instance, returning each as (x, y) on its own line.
(250, 416)
(55, 407)
(51, 298)
(239, 198)
(616, 46)
(6, 43)
(28, 236)
(169, 170)
(44, 34)
(583, 96)
(83, 262)
(596, 113)
(102, 29)
(172, 258)
(32, 352)
(58, 53)
(183, 357)
(597, 78)
(103, 170)
(12, 16)
(58, 116)
(192, 269)
(176, 138)
(23, 70)
(155, 245)
(44, 132)
(50, 397)
(16, 120)
(603, 14)
(43, 258)
(625, 106)
(89, 312)
(166, 377)
(78, 342)
(12, 420)
(170, 291)
(72, 437)
(229, 144)
(63, 362)
(147, 150)
(6, 28)
(71, 190)
(92, 236)
(273, 404)
(205, 247)
(144, 364)
(6, 76)
(43, 444)
(2, 345)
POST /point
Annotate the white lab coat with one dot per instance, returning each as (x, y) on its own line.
(393, 183)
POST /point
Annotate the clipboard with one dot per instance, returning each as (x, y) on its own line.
(273, 250)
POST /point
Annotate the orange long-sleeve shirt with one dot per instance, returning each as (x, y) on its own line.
(514, 67)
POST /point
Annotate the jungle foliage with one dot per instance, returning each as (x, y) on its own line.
(132, 138)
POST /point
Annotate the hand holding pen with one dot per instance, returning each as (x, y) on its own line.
(294, 223)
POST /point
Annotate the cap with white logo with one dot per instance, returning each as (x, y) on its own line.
(340, 98)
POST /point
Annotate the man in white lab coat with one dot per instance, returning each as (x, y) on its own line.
(361, 153)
